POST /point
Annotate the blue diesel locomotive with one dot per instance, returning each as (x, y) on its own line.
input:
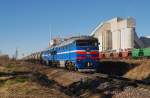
(77, 53)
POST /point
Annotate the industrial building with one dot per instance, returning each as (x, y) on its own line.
(4, 57)
(55, 41)
(145, 40)
(117, 34)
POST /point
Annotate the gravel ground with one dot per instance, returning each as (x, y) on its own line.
(133, 93)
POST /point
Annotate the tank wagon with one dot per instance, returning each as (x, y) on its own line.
(77, 53)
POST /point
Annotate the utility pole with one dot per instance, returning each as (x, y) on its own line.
(50, 36)
(50, 33)
(16, 54)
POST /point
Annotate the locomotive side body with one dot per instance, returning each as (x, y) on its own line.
(78, 53)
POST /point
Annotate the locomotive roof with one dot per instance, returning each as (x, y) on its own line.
(68, 41)
(72, 39)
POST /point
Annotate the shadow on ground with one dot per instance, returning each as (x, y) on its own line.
(115, 67)
(86, 87)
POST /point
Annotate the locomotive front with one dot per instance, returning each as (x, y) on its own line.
(87, 54)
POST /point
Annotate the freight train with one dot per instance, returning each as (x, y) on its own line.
(77, 53)
(126, 54)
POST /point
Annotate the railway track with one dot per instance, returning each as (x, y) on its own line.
(110, 85)
(138, 83)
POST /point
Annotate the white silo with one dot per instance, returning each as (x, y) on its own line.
(129, 38)
(100, 40)
(123, 38)
(107, 40)
(116, 40)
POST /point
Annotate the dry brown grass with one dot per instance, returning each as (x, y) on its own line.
(141, 71)
(24, 86)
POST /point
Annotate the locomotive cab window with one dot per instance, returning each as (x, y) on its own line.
(87, 43)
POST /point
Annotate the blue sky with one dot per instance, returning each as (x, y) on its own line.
(26, 24)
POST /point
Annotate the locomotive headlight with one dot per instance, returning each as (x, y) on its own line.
(78, 60)
(88, 64)
(87, 52)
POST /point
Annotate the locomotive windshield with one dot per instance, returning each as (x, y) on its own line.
(87, 43)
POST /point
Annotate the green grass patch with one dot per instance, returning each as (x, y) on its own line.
(9, 66)
(2, 83)
(22, 79)
(17, 80)
(25, 90)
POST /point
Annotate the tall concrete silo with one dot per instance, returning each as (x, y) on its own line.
(106, 40)
(116, 40)
(128, 38)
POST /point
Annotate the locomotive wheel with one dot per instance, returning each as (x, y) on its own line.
(50, 63)
(76, 69)
(43, 62)
(69, 65)
(47, 63)
(56, 64)
(72, 67)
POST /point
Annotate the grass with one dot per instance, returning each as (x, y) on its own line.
(17, 80)
(9, 66)
(16, 85)
(2, 83)
(16, 68)
(141, 72)
(20, 88)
